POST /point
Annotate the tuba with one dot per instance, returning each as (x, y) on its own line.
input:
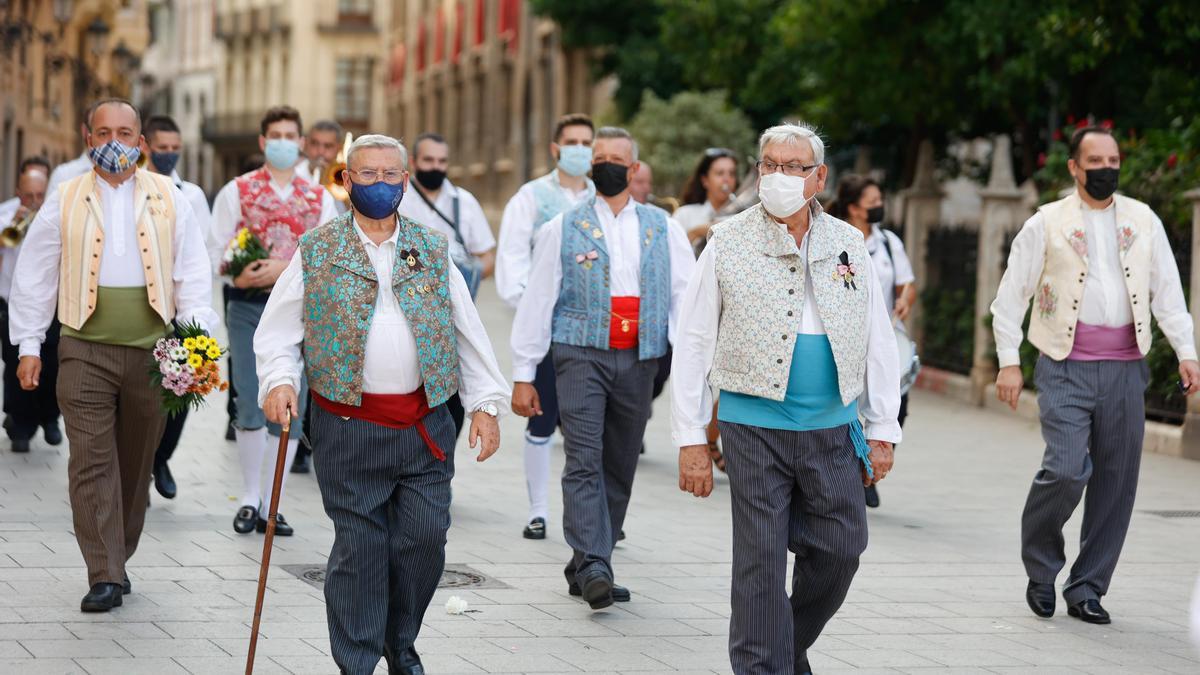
(331, 177)
(14, 234)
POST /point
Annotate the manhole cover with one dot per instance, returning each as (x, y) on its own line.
(453, 576)
(1175, 514)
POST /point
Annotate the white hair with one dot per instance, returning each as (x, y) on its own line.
(377, 141)
(790, 134)
(618, 132)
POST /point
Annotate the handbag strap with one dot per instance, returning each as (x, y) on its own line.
(452, 223)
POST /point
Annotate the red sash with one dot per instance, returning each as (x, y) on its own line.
(395, 411)
(623, 325)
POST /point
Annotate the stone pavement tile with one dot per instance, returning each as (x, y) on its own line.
(24, 574)
(969, 657)
(205, 629)
(877, 641)
(716, 626)
(151, 666)
(73, 648)
(114, 630)
(34, 631)
(1123, 670)
(292, 629)
(879, 658)
(458, 645)
(707, 644)
(631, 645)
(899, 610)
(519, 663)
(665, 627)
(266, 646)
(1046, 670)
(1146, 657)
(566, 627)
(981, 609)
(463, 627)
(499, 612)
(688, 662)
(984, 625)
(573, 609)
(11, 649)
(838, 626)
(46, 666)
(592, 660)
(947, 671)
(533, 645)
(321, 644)
(885, 626)
(718, 608)
(172, 647)
(236, 665)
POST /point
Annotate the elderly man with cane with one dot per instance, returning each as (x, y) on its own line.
(389, 333)
(785, 317)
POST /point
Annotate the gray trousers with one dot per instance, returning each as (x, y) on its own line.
(799, 491)
(604, 403)
(389, 499)
(1093, 420)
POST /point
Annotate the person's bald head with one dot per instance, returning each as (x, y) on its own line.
(642, 183)
(31, 187)
(113, 118)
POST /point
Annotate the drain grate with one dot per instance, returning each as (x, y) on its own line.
(453, 576)
(1175, 514)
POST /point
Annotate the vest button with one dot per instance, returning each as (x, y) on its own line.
(784, 337)
(789, 312)
(791, 291)
(793, 269)
(776, 385)
(778, 360)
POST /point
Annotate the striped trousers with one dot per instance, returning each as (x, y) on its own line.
(799, 491)
(389, 500)
(604, 404)
(114, 420)
(1093, 421)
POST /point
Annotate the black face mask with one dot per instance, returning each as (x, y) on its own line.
(875, 214)
(431, 179)
(1101, 183)
(610, 179)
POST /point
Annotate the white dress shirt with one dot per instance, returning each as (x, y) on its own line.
(472, 224)
(514, 255)
(390, 363)
(199, 201)
(622, 233)
(1105, 301)
(891, 272)
(227, 217)
(35, 282)
(694, 215)
(68, 170)
(692, 397)
(8, 256)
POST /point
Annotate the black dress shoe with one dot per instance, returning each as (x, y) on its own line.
(164, 482)
(621, 535)
(103, 597)
(126, 586)
(598, 590)
(230, 432)
(872, 496)
(245, 520)
(52, 433)
(1089, 611)
(619, 593)
(282, 529)
(536, 529)
(406, 663)
(20, 446)
(801, 667)
(300, 464)
(1040, 598)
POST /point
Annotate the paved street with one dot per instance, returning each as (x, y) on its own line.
(940, 589)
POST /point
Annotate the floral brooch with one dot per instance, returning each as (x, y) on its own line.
(586, 259)
(412, 258)
(845, 270)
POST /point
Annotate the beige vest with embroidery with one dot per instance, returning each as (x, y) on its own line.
(1064, 271)
(761, 279)
(82, 230)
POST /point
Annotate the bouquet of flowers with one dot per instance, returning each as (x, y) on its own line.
(185, 367)
(244, 249)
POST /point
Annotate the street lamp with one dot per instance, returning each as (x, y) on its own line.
(63, 9)
(98, 32)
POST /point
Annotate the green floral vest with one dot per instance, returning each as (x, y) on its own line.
(340, 288)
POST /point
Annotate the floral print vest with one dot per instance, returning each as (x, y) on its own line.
(340, 289)
(278, 224)
(1064, 272)
(583, 312)
(551, 201)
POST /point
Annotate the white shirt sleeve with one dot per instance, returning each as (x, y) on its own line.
(476, 232)
(1025, 261)
(329, 209)
(535, 311)
(513, 254)
(34, 296)
(200, 210)
(695, 348)
(481, 379)
(192, 271)
(901, 265)
(1166, 297)
(281, 332)
(879, 403)
(226, 215)
(683, 261)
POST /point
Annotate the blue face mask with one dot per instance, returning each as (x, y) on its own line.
(377, 200)
(575, 160)
(114, 157)
(164, 161)
(282, 153)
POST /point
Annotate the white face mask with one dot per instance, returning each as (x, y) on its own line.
(781, 194)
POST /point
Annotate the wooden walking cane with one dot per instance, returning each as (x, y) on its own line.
(273, 512)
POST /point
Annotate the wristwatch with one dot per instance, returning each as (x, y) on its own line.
(488, 408)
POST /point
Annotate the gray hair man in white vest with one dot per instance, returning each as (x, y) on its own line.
(1098, 263)
(785, 318)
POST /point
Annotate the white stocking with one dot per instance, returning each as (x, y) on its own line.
(252, 445)
(537, 475)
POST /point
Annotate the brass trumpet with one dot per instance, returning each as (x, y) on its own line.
(14, 234)
(331, 177)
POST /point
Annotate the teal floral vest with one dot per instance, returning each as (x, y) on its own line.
(340, 288)
(583, 312)
(548, 194)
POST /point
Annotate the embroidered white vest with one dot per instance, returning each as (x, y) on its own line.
(761, 279)
(1064, 271)
(82, 228)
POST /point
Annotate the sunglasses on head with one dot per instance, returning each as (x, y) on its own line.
(719, 152)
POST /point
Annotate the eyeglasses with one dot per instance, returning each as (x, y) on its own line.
(371, 176)
(766, 167)
(719, 152)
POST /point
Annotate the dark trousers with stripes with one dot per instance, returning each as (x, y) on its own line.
(604, 403)
(799, 491)
(1093, 420)
(389, 499)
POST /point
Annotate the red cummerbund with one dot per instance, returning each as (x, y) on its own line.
(397, 411)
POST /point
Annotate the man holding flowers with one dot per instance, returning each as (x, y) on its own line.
(120, 254)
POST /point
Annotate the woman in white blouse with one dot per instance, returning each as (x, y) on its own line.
(708, 192)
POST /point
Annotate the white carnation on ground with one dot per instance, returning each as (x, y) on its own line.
(456, 605)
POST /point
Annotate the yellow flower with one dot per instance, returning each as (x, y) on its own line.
(212, 342)
(201, 342)
(243, 236)
(195, 361)
(213, 353)
(189, 344)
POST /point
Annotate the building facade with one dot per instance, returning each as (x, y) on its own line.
(324, 57)
(492, 78)
(57, 57)
(179, 68)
